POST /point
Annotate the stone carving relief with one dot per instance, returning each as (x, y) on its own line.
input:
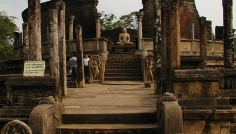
(16, 127)
(149, 68)
(95, 68)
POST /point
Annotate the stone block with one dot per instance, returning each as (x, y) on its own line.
(196, 83)
(31, 90)
(194, 126)
(196, 89)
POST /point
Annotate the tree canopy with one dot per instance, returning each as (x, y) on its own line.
(7, 27)
(109, 21)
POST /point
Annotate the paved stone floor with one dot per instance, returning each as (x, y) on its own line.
(111, 97)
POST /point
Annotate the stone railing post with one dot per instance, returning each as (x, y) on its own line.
(169, 115)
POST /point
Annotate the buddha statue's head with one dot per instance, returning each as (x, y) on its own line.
(124, 30)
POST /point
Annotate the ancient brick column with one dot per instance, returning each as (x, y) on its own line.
(140, 32)
(228, 34)
(203, 47)
(157, 45)
(79, 53)
(34, 25)
(170, 57)
(25, 41)
(53, 42)
(62, 47)
(71, 29)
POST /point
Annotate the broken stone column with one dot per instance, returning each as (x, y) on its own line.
(25, 41)
(157, 45)
(228, 34)
(53, 43)
(34, 25)
(140, 32)
(203, 47)
(71, 29)
(79, 53)
(62, 47)
(170, 58)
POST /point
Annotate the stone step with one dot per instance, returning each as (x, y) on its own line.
(138, 75)
(123, 67)
(73, 116)
(111, 61)
(108, 129)
(123, 71)
(131, 56)
(123, 78)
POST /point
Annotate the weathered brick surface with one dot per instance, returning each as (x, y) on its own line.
(83, 10)
(189, 15)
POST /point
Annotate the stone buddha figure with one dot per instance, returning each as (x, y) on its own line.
(124, 38)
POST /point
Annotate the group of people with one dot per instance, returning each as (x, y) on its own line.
(73, 67)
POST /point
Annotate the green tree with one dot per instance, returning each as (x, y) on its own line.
(109, 21)
(7, 27)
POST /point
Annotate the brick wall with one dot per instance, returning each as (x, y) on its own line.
(83, 10)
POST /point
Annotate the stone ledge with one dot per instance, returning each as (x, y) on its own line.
(197, 75)
(209, 115)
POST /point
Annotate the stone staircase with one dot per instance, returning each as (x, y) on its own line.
(107, 122)
(123, 67)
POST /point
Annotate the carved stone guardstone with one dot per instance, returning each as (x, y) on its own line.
(96, 68)
(45, 118)
(16, 127)
(169, 114)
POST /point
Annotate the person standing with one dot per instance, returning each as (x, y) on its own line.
(73, 65)
(86, 68)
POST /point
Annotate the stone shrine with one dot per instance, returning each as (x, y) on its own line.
(192, 73)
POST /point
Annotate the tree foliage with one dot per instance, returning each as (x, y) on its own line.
(7, 27)
(109, 21)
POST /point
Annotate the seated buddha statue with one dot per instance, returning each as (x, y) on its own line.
(124, 38)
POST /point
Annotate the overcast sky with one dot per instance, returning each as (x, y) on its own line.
(211, 9)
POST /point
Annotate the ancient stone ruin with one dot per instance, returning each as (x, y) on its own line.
(192, 72)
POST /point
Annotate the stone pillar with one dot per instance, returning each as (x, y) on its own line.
(79, 50)
(71, 29)
(34, 25)
(157, 44)
(228, 34)
(98, 28)
(140, 32)
(25, 41)
(62, 48)
(203, 47)
(170, 59)
(53, 43)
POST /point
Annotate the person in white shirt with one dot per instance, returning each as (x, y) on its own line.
(73, 65)
(86, 68)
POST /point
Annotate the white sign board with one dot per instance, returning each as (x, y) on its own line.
(34, 68)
